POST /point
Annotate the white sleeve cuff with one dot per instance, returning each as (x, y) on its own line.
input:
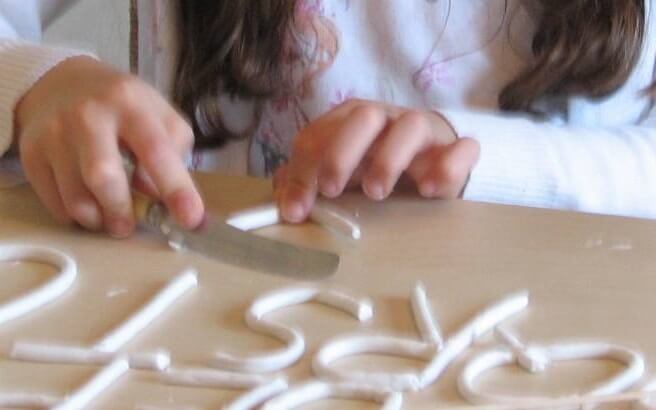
(513, 167)
(21, 65)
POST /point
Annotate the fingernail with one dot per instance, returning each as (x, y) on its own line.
(120, 228)
(187, 208)
(292, 211)
(89, 216)
(375, 191)
(329, 189)
(428, 189)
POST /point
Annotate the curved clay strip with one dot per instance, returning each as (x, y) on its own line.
(46, 293)
(425, 318)
(266, 215)
(372, 344)
(485, 361)
(295, 345)
(106, 350)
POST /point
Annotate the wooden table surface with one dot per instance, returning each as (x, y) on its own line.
(590, 277)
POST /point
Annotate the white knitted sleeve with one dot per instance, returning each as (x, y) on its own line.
(22, 63)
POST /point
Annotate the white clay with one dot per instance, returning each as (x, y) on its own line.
(473, 330)
(315, 391)
(295, 345)
(149, 407)
(258, 395)
(566, 403)
(335, 219)
(532, 360)
(211, 378)
(255, 218)
(425, 318)
(372, 344)
(266, 215)
(648, 401)
(27, 401)
(157, 360)
(108, 347)
(269, 361)
(52, 353)
(482, 362)
(45, 293)
(120, 336)
(96, 386)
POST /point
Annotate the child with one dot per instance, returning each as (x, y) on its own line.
(540, 103)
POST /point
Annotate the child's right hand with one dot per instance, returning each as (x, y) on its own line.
(70, 126)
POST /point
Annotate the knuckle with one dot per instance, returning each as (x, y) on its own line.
(122, 90)
(449, 174)
(83, 115)
(416, 120)
(155, 155)
(53, 126)
(369, 114)
(182, 133)
(101, 175)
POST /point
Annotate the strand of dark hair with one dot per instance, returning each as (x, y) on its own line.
(585, 48)
(229, 47)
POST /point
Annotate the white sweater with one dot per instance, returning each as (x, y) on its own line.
(598, 157)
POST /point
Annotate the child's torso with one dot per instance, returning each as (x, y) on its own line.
(424, 54)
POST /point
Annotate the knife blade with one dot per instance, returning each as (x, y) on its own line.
(218, 240)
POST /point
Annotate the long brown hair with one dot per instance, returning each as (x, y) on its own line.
(585, 48)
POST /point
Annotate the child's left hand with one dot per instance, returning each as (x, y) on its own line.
(373, 145)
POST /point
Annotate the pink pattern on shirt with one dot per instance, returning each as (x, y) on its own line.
(341, 96)
(433, 74)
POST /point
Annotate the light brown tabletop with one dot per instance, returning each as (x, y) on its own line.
(590, 277)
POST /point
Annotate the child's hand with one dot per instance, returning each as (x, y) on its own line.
(373, 145)
(69, 128)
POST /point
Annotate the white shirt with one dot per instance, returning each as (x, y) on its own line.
(600, 156)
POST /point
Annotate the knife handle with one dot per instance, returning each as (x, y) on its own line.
(146, 210)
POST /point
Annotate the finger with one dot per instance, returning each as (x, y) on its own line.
(142, 182)
(396, 149)
(298, 190)
(78, 201)
(180, 132)
(101, 168)
(348, 147)
(442, 171)
(149, 141)
(297, 182)
(42, 180)
(279, 178)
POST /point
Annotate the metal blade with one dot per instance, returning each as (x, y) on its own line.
(223, 242)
